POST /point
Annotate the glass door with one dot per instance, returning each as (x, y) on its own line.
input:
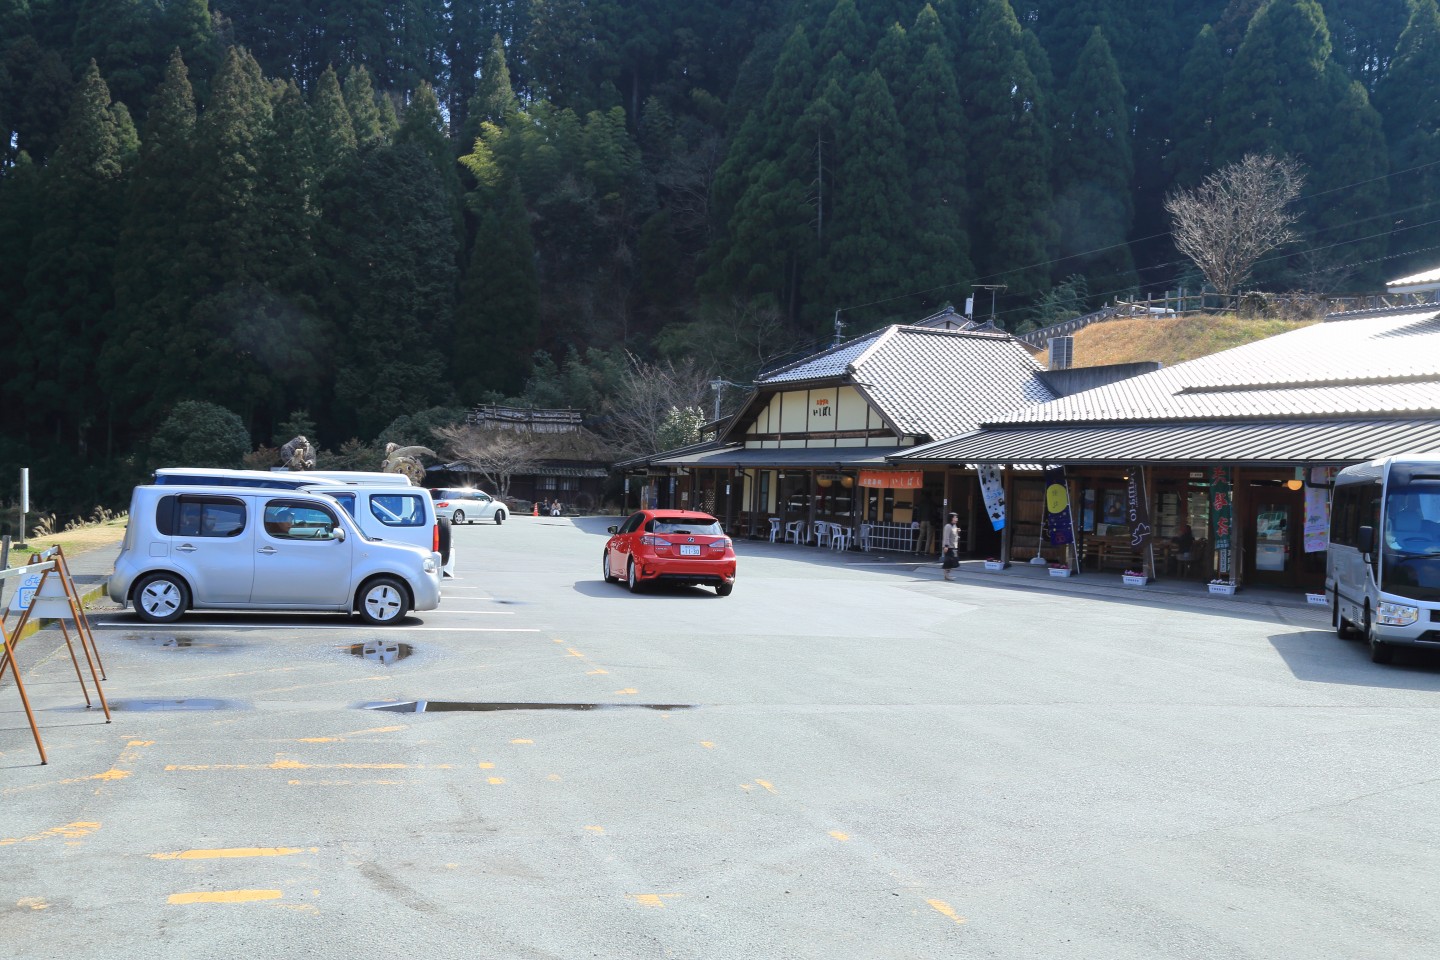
(1274, 530)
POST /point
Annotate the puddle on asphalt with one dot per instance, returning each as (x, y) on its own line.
(381, 651)
(165, 642)
(190, 703)
(448, 706)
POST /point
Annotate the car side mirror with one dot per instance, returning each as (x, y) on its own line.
(1366, 539)
(338, 533)
(612, 529)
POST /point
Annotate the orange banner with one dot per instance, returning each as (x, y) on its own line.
(893, 479)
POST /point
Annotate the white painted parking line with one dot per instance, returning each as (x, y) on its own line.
(292, 627)
(482, 613)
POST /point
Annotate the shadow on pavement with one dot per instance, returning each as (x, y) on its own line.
(1318, 656)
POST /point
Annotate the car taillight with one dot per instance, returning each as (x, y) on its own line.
(659, 543)
(442, 504)
(720, 544)
(435, 538)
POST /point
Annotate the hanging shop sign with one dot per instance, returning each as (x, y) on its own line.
(893, 479)
(1317, 508)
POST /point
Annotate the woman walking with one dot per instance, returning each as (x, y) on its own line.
(950, 544)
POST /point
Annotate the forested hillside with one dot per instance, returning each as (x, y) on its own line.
(368, 209)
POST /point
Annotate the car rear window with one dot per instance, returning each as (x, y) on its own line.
(199, 516)
(698, 526)
(398, 509)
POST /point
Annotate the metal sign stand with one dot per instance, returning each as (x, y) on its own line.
(53, 597)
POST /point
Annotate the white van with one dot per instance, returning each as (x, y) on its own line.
(385, 505)
(1382, 567)
(228, 547)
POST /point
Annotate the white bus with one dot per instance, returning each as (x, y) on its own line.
(1382, 568)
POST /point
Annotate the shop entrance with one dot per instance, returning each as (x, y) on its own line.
(1274, 538)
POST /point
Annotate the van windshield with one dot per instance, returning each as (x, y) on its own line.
(1410, 539)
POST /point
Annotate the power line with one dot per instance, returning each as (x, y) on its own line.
(1139, 240)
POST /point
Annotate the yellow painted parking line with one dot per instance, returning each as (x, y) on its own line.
(32, 903)
(357, 733)
(225, 896)
(708, 744)
(766, 785)
(111, 774)
(626, 692)
(596, 672)
(842, 837)
(598, 830)
(71, 831)
(496, 781)
(230, 853)
(945, 910)
(522, 742)
(655, 901)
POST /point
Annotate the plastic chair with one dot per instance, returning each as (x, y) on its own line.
(841, 537)
(774, 529)
(822, 533)
(794, 530)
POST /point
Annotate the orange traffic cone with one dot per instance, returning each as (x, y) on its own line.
(535, 509)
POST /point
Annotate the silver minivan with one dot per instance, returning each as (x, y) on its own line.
(241, 548)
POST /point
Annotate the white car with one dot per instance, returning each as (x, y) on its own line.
(240, 548)
(468, 506)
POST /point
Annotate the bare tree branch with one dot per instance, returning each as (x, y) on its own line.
(497, 454)
(1236, 216)
(648, 398)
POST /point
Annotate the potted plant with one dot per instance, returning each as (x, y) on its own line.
(1135, 578)
(1060, 570)
(994, 563)
(1222, 586)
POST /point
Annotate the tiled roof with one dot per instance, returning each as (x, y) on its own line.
(831, 363)
(928, 381)
(1372, 363)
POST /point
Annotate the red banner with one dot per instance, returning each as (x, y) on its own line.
(893, 479)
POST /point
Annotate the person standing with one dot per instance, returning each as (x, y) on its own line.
(950, 544)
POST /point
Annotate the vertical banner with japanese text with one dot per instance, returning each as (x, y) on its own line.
(1057, 507)
(1222, 517)
(993, 490)
(1137, 508)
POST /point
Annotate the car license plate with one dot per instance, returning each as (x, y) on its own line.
(689, 550)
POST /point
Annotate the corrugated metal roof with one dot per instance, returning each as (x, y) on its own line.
(1373, 363)
(1282, 443)
(1427, 278)
(736, 455)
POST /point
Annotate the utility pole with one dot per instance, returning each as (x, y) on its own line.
(839, 330)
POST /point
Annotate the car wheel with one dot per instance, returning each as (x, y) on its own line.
(1379, 652)
(499, 517)
(444, 526)
(631, 580)
(724, 589)
(161, 598)
(458, 516)
(383, 601)
(1343, 629)
(605, 568)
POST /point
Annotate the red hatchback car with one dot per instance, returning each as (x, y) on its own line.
(674, 546)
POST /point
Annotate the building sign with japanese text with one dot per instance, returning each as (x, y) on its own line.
(893, 479)
(1222, 517)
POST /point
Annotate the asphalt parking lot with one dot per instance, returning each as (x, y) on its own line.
(846, 758)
